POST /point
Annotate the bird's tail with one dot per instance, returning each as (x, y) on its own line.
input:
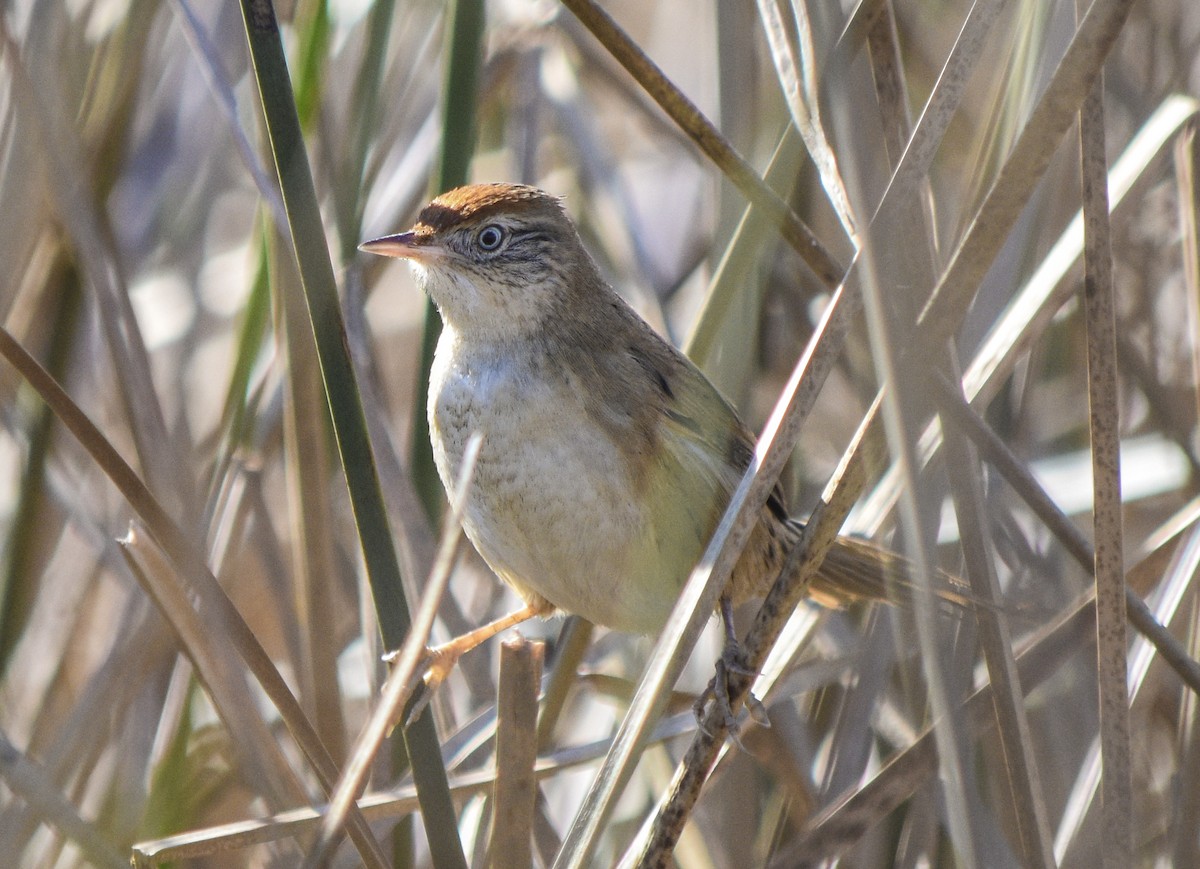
(858, 570)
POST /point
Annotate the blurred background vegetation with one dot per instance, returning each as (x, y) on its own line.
(148, 264)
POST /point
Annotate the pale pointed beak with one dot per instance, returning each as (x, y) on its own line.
(405, 245)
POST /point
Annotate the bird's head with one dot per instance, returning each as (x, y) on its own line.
(497, 259)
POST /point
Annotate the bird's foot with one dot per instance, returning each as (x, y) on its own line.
(439, 661)
(731, 664)
(435, 666)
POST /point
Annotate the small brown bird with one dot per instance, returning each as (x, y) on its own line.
(607, 457)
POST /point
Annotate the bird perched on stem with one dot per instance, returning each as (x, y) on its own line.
(607, 458)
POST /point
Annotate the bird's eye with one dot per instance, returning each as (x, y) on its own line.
(490, 237)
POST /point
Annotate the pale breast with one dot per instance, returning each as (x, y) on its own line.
(552, 508)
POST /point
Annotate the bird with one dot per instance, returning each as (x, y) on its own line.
(607, 457)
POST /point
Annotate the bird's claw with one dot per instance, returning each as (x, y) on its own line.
(435, 665)
(730, 662)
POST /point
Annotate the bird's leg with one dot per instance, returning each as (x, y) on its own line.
(440, 660)
(733, 645)
(732, 660)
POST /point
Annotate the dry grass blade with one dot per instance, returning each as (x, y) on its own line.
(217, 668)
(1150, 624)
(939, 109)
(98, 260)
(1187, 179)
(1178, 580)
(1099, 304)
(305, 432)
(176, 607)
(727, 288)
(1027, 316)
(708, 139)
(24, 777)
(833, 830)
(187, 561)
(146, 647)
(572, 643)
(795, 67)
(900, 402)
(997, 453)
(1026, 164)
(887, 74)
(1028, 803)
(375, 807)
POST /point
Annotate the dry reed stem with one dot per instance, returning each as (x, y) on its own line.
(515, 798)
(1103, 402)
